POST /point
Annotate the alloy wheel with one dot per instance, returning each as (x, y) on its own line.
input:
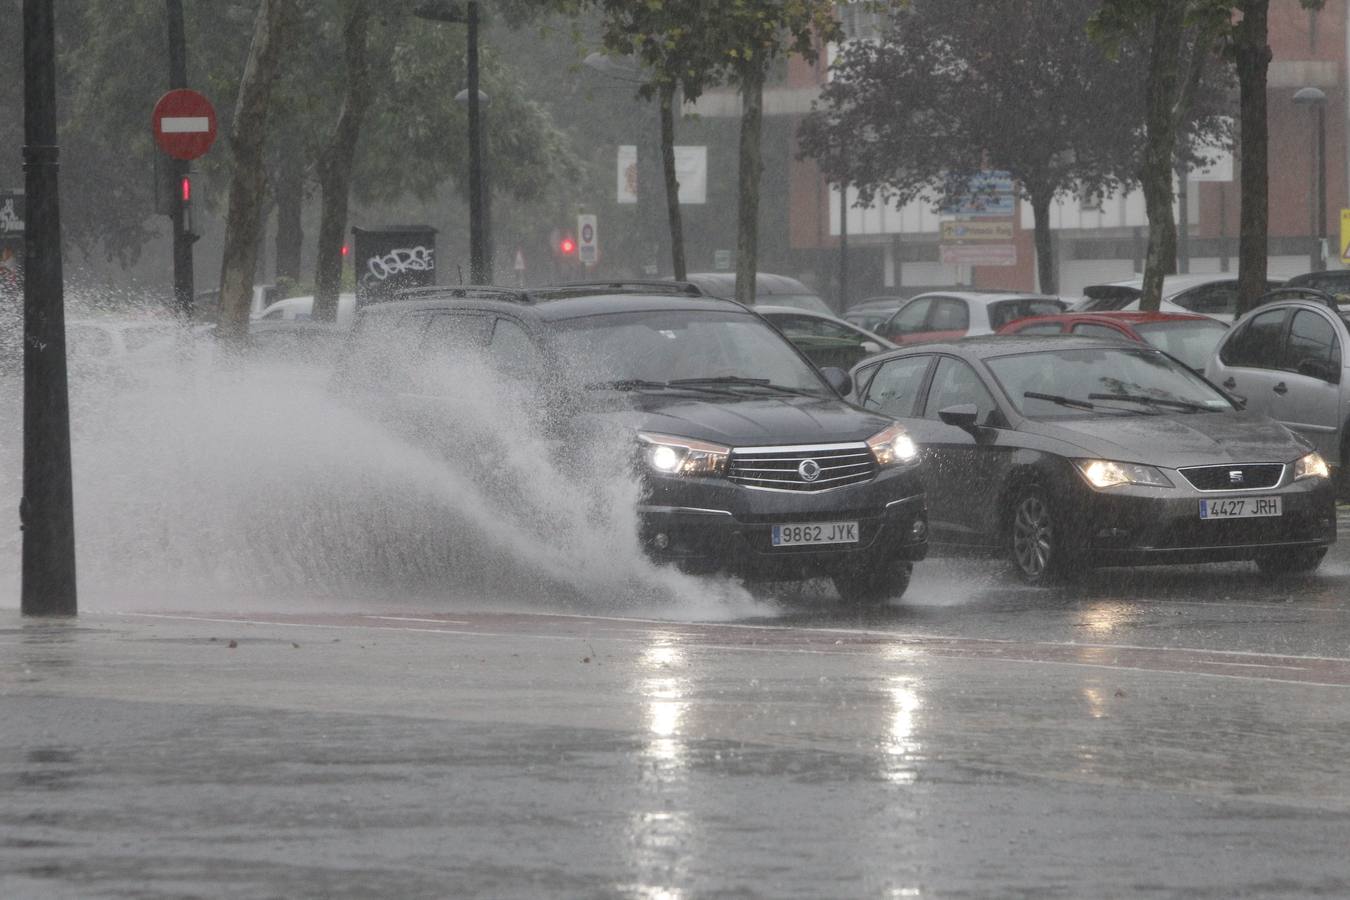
(1033, 536)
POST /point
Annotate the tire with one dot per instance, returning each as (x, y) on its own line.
(1296, 562)
(1035, 539)
(874, 586)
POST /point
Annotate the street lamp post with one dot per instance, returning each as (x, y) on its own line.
(485, 190)
(480, 271)
(1317, 199)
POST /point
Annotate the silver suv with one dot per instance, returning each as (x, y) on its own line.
(1286, 358)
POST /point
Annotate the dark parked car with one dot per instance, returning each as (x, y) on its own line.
(1333, 281)
(1189, 337)
(825, 340)
(1067, 452)
(777, 290)
(749, 460)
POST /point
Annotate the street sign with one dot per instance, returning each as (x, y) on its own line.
(184, 123)
(721, 260)
(1345, 237)
(520, 260)
(985, 194)
(963, 231)
(588, 240)
(978, 254)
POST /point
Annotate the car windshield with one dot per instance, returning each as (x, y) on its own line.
(1191, 341)
(1107, 381)
(724, 351)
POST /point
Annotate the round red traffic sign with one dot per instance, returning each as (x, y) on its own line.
(184, 123)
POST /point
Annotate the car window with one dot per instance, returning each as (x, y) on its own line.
(1258, 342)
(895, 388)
(1005, 311)
(949, 314)
(274, 314)
(910, 319)
(1040, 328)
(955, 383)
(512, 353)
(1091, 329)
(1210, 299)
(1313, 348)
(813, 326)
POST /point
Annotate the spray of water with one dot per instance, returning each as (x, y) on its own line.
(209, 483)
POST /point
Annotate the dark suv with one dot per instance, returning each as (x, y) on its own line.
(748, 459)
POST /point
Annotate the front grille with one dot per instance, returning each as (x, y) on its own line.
(781, 468)
(1239, 477)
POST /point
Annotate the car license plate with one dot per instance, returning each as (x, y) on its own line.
(815, 533)
(1240, 508)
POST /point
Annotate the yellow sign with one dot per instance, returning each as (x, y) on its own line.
(1345, 237)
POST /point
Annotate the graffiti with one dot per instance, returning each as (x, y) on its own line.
(396, 262)
(10, 218)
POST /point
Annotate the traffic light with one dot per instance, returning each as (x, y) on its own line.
(186, 189)
(346, 250)
(567, 246)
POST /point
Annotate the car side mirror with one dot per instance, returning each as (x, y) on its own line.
(838, 379)
(962, 415)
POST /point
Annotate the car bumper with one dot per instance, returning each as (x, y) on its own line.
(1148, 526)
(711, 525)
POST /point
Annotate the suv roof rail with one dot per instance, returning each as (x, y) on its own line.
(625, 286)
(464, 292)
(1301, 293)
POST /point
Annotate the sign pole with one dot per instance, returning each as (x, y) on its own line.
(46, 512)
(179, 169)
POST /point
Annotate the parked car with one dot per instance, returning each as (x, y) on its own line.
(1333, 281)
(1065, 452)
(825, 340)
(778, 290)
(946, 316)
(749, 459)
(1189, 337)
(1286, 359)
(1207, 295)
(302, 308)
(873, 312)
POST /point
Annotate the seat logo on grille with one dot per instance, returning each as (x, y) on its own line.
(1235, 476)
(809, 470)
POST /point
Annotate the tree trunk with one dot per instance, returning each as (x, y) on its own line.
(1253, 59)
(336, 160)
(290, 195)
(751, 165)
(672, 181)
(1046, 276)
(1164, 91)
(270, 34)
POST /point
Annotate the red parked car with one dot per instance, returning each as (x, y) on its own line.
(1190, 338)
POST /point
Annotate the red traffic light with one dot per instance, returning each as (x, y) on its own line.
(567, 246)
(346, 250)
(186, 189)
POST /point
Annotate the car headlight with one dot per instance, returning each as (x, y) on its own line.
(893, 447)
(1103, 473)
(1311, 466)
(667, 455)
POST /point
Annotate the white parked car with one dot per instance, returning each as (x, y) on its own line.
(301, 308)
(1209, 295)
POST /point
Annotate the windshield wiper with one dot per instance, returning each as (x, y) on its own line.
(626, 384)
(739, 381)
(1153, 401)
(1060, 400)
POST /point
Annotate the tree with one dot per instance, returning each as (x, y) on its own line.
(951, 90)
(271, 32)
(749, 35)
(1241, 31)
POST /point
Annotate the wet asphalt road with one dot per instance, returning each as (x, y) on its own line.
(1163, 733)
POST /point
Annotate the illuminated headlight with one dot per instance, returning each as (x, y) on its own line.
(893, 447)
(1102, 473)
(667, 455)
(1311, 466)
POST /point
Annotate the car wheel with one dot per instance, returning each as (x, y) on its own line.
(874, 586)
(1035, 539)
(1300, 562)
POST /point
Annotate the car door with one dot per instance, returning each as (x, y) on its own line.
(444, 379)
(948, 320)
(909, 321)
(1310, 402)
(894, 388)
(963, 467)
(1249, 360)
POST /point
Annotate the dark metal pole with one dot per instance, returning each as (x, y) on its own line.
(478, 273)
(1320, 186)
(47, 509)
(484, 172)
(183, 238)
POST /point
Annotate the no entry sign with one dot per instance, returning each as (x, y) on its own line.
(184, 123)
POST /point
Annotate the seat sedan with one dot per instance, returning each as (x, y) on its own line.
(1067, 452)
